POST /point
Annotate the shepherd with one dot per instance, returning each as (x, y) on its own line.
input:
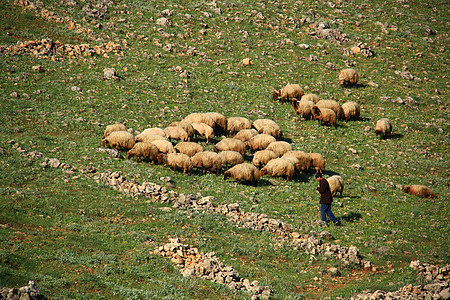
(326, 198)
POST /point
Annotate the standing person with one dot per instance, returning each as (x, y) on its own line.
(326, 198)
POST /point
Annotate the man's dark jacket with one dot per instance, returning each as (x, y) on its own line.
(325, 192)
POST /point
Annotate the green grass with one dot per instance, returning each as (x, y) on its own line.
(79, 239)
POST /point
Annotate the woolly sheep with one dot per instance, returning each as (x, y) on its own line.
(262, 157)
(154, 130)
(318, 162)
(259, 124)
(294, 161)
(112, 128)
(164, 146)
(288, 93)
(200, 118)
(189, 148)
(279, 147)
(419, 190)
(148, 138)
(176, 133)
(220, 121)
(279, 167)
(246, 134)
(230, 144)
(351, 110)
(383, 127)
(244, 172)
(324, 116)
(310, 97)
(336, 184)
(122, 140)
(207, 160)
(176, 161)
(231, 158)
(303, 157)
(144, 150)
(186, 126)
(274, 131)
(333, 105)
(260, 142)
(236, 124)
(303, 108)
(204, 130)
(348, 77)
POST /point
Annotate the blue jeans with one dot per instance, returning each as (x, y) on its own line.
(325, 209)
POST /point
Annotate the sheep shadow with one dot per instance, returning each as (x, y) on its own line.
(351, 217)
(329, 173)
(265, 182)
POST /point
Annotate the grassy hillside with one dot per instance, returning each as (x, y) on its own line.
(80, 239)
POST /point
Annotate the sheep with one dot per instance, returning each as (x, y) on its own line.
(348, 77)
(336, 184)
(324, 116)
(186, 126)
(318, 162)
(294, 161)
(230, 144)
(303, 157)
(262, 157)
(148, 138)
(200, 118)
(189, 148)
(303, 108)
(112, 128)
(231, 158)
(207, 160)
(351, 110)
(419, 190)
(288, 93)
(176, 133)
(236, 124)
(279, 167)
(220, 120)
(154, 130)
(145, 150)
(260, 142)
(259, 124)
(310, 97)
(243, 172)
(279, 147)
(333, 105)
(122, 140)
(383, 128)
(204, 130)
(164, 146)
(246, 134)
(272, 130)
(177, 161)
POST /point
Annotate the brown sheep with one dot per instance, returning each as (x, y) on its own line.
(244, 172)
(154, 130)
(279, 167)
(207, 160)
(236, 124)
(259, 124)
(288, 93)
(176, 161)
(348, 77)
(279, 147)
(383, 128)
(186, 126)
(246, 134)
(333, 105)
(351, 110)
(230, 144)
(262, 157)
(112, 128)
(220, 120)
(188, 148)
(419, 190)
(324, 116)
(120, 140)
(176, 133)
(303, 108)
(144, 150)
(294, 161)
(318, 162)
(204, 130)
(200, 118)
(164, 146)
(303, 157)
(336, 184)
(148, 138)
(310, 97)
(260, 142)
(274, 131)
(231, 158)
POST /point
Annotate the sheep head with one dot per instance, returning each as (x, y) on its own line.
(275, 95)
(162, 158)
(263, 171)
(315, 112)
(104, 142)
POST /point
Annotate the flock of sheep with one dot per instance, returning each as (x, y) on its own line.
(269, 155)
